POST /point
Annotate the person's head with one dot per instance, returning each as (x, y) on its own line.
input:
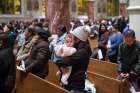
(115, 28)
(42, 35)
(69, 40)
(81, 34)
(3, 40)
(129, 37)
(103, 28)
(34, 22)
(30, 32)
(61, 30)
(8, 28)
(39, 24)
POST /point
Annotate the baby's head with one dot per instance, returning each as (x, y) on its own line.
(69, 40)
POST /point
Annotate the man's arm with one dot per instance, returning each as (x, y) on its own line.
(136, 70)
(119, 59)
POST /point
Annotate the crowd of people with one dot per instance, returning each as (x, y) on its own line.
(30, 45)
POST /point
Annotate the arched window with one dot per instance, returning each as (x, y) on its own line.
(112, 7)
(82, 7)
(12, 7)
(43, 7)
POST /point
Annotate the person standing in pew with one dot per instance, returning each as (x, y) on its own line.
(79, 60)
(64, 50)
(115, 39)
(58, 40)
(38, 59)
(129, 59)
(7, 65)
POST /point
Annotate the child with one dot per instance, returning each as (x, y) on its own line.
(65, 50)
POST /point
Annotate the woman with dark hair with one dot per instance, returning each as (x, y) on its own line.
(9, 29)
(103, 39)
(102, 29)
(7, 65)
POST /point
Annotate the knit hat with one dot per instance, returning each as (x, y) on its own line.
(43, 34)
(81, 32)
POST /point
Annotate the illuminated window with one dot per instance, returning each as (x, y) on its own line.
(82, 7)
(43, 7)
(112, 7)
(10, 7)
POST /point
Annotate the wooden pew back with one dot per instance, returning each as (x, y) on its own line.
(104, 68)
(104, 84)
(52, 73)
(93, 43)
(33, 84)
(104, 75)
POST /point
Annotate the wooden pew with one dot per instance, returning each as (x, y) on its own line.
(33, 84)
(104, 75)
(52, 73)
(93, 43)
(104, 84)
(103, 67)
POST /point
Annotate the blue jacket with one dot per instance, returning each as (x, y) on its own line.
(55, 42)
(116, 39)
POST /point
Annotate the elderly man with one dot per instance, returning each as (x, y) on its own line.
(129, 59)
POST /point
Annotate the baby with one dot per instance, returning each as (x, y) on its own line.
(65, 50)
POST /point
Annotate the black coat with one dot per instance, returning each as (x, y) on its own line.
(37, 62)
(7, 70)
(129, 60)
(79, 62)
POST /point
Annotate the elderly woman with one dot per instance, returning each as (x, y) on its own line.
(38, 59)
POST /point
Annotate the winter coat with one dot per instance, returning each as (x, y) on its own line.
(79, 62)
(37, 62)
(129, 61)
(7, 70)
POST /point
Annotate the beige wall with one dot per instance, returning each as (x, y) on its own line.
(134, 15)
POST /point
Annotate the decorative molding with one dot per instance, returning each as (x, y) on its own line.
(123, 1)
(91, 0)
(133, 8)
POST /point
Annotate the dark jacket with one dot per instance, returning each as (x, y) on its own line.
(79, 62)
(102, 43)
(37, 62)
(129, 60)
(7, 70)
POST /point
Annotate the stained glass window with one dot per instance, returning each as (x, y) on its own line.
(112, 7)
(82, 7)
(10, 7)
(43, 7)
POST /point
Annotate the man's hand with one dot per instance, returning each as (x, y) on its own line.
(124, 75)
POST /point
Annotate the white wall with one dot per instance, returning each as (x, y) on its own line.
(134, 14)
(134, 2)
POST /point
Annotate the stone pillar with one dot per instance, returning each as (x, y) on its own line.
(123, 7)
(90, 9)
(73, 8)
(134, 15)
(57, 12)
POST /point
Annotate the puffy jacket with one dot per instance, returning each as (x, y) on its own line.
(7, 70)
(79, 62)
(37, 62)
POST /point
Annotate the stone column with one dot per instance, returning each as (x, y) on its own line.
(123, 7)
(134, 15)
(90, 9)
(73, 8)
(57, 12)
